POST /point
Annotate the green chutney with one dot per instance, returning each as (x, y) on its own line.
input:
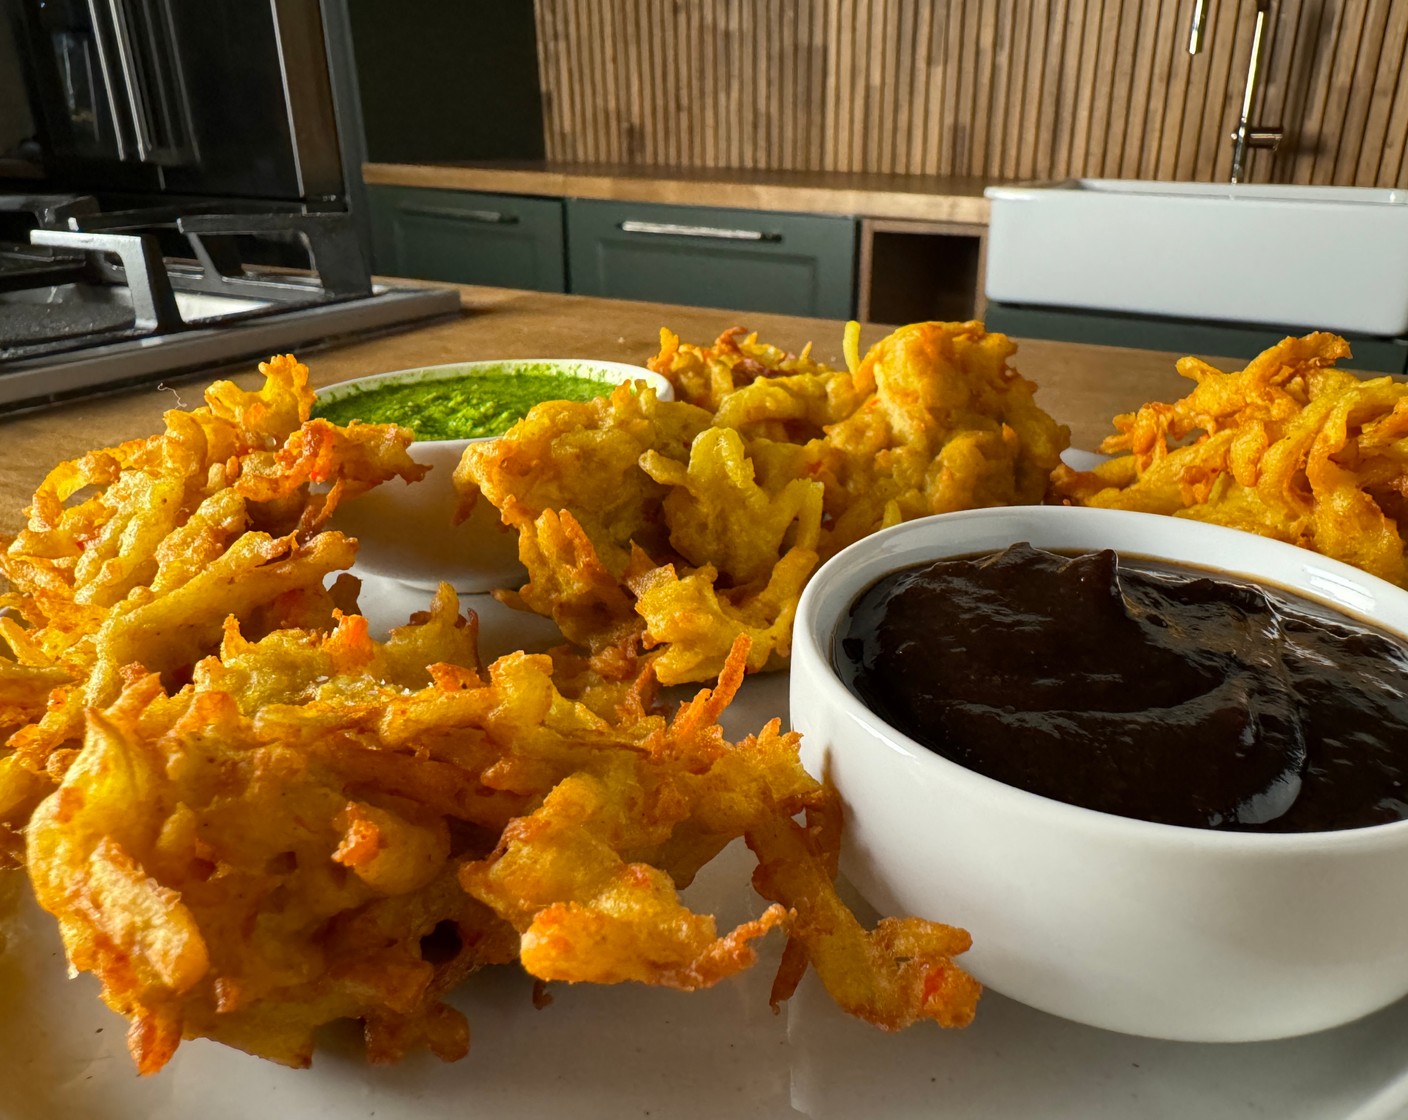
(486, 403)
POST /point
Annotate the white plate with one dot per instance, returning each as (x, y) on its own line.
(632, 1051)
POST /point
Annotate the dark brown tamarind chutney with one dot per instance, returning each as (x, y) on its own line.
(1139, 688)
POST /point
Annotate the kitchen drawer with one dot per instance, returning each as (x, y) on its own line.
(470, 238)
(741, 259)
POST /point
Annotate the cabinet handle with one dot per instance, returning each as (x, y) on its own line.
(712, 233)
(488, 217)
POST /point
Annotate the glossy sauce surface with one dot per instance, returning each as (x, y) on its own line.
(487, 403)
(1140, 689)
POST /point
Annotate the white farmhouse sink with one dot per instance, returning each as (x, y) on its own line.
(1310, 257)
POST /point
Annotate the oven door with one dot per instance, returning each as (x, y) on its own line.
(106, 89)
(222, 97)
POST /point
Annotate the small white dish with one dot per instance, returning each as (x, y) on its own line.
(407, 531)
(1148, 929)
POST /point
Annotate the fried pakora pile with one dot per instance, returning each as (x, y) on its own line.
(677, 526)
(251, 819)
(1289, 447)
(321, 826)
(137, 554)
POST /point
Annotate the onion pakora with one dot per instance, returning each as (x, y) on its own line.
(138, 553)
(677, 526)
(250, 818)
(321, 826)
(1289, 447)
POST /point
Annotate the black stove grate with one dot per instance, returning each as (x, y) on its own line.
(94, 302)
(75, 251)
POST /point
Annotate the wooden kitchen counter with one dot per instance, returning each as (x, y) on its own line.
(924, 198)
(1082, 386)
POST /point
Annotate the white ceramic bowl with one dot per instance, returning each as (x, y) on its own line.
(407, 531)
(1149, 929)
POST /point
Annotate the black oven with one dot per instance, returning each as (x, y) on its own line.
(225, 98)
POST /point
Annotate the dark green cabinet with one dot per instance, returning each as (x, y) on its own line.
(745, 260)
(742, 260)
(503, 241)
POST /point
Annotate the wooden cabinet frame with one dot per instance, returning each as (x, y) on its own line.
(911, 271)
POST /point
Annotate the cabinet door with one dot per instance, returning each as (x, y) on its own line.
(470, 238)
(741, 259)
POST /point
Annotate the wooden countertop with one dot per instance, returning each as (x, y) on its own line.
(1083, 386)
(930, 198)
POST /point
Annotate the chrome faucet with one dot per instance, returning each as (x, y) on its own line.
(1247, 135)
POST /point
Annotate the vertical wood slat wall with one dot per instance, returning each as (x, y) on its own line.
(1001, 89)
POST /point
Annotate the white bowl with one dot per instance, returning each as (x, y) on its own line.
(406, 531)
(1149, 929)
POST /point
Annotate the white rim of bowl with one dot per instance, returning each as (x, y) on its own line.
(811, 607)
(572, 367)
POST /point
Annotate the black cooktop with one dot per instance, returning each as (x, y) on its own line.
(94, 299)
(73, 275)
